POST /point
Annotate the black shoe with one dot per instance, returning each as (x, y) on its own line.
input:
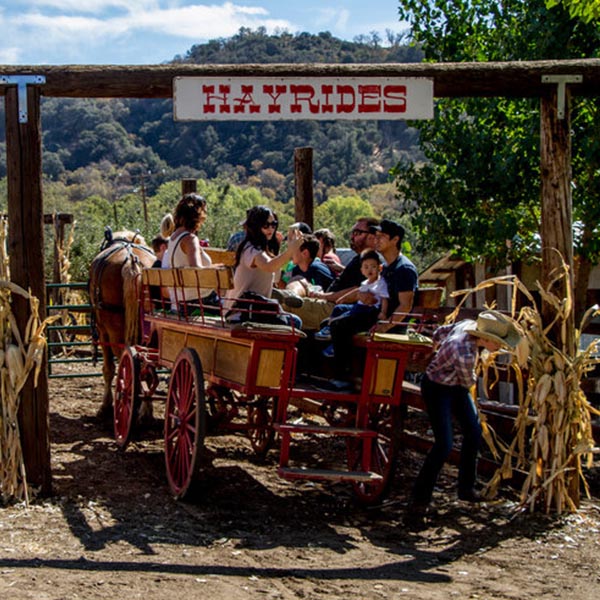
(470, 496)
(418, 509)
(341, 385)
(293, 300)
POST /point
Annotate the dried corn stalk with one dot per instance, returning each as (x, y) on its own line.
(553, 429)
(62, 252)
(19, 354)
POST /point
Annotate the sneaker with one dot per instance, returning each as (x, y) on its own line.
(328, 352)
(286, 297)
(292, 300)
(324, 335)
(277, 294)
(340, 385)
(418, 509)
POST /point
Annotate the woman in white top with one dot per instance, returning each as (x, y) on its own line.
(257, 257)
(184, 248)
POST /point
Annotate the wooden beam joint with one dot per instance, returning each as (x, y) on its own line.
(22, 81)
(561, 81)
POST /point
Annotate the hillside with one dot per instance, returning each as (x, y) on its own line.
(140, 136)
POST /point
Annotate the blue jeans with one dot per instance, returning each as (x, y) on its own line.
(345, 321)
(444, 402)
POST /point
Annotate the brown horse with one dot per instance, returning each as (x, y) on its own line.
(115, 279)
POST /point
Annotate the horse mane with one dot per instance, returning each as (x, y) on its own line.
(129, 236)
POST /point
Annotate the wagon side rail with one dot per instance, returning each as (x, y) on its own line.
(203, 295)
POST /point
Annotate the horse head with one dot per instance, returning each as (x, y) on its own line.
(123, 236)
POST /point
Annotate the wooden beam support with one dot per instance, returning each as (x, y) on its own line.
(26, 252)
(521, 79)
(303, 169)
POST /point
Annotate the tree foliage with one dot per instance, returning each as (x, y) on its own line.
(479, 186)
(586, 10)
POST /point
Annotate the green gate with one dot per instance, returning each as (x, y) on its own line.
(70, 338)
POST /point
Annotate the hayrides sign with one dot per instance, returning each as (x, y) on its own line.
(318, 98)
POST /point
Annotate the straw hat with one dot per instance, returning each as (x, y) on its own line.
(494, 326)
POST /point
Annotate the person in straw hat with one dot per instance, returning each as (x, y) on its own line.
(446, 387)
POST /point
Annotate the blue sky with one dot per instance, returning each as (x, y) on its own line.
(59, 32)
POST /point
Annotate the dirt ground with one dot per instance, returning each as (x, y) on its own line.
(112, 530)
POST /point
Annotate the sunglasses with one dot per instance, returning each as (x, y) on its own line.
(272, 224)
(358, 232)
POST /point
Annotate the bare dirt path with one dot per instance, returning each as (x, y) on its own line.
(112, 530)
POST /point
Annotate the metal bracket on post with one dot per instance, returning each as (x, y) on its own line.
(561, 81)
(22, 81)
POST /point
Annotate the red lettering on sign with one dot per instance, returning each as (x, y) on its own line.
(210, 97)
(327, 91)
(347, 99)
(274, 91)
(394, 98)
(246, 101)
(303, 93)
(367, 93)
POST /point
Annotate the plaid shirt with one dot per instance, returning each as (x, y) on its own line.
(454, 362)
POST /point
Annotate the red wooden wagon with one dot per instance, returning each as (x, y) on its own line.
(242, 377)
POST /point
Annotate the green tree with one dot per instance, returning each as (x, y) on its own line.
(479, 185)
(339, 214)
(586, 10)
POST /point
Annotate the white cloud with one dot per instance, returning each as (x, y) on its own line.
(193, 22)
(199, 21)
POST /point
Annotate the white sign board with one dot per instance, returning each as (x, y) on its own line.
(313, 98)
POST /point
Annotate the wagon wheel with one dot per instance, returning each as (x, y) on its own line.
(185, 422)
(261, 415)
(386, 420)
(221, 406)
(127, 399)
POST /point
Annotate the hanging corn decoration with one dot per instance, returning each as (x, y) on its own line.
(19, 354)
(553, 428)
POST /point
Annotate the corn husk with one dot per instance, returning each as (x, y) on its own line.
(20, 353)
(553, 428)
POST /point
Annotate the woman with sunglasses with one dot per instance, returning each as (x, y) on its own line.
(257, 258)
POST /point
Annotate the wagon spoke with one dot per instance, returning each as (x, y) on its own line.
(184, 422)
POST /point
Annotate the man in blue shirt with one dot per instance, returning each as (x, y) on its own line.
(402, 280)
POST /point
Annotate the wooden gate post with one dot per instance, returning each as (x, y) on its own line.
(188, 186)
(26, 250)
(303, 168)
(557, 214)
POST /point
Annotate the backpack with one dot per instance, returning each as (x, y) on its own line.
(257, 308)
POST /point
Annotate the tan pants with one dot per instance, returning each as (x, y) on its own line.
(312, 312)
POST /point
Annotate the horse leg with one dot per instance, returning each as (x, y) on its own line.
(105, 412)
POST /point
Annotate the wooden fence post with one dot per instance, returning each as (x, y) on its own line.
(557, 218)
(188, 186)
(26, 251)
(303, 168)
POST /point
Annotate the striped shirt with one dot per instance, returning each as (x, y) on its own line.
(456, 356)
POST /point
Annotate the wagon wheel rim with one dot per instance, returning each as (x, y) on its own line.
(385, 419)
(260, 418)
(185, 422)
(127, 399)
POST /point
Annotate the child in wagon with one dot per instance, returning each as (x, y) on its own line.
(363, 316)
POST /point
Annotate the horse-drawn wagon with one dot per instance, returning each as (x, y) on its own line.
(243, 376)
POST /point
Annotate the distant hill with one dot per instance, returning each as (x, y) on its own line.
(140, 135)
